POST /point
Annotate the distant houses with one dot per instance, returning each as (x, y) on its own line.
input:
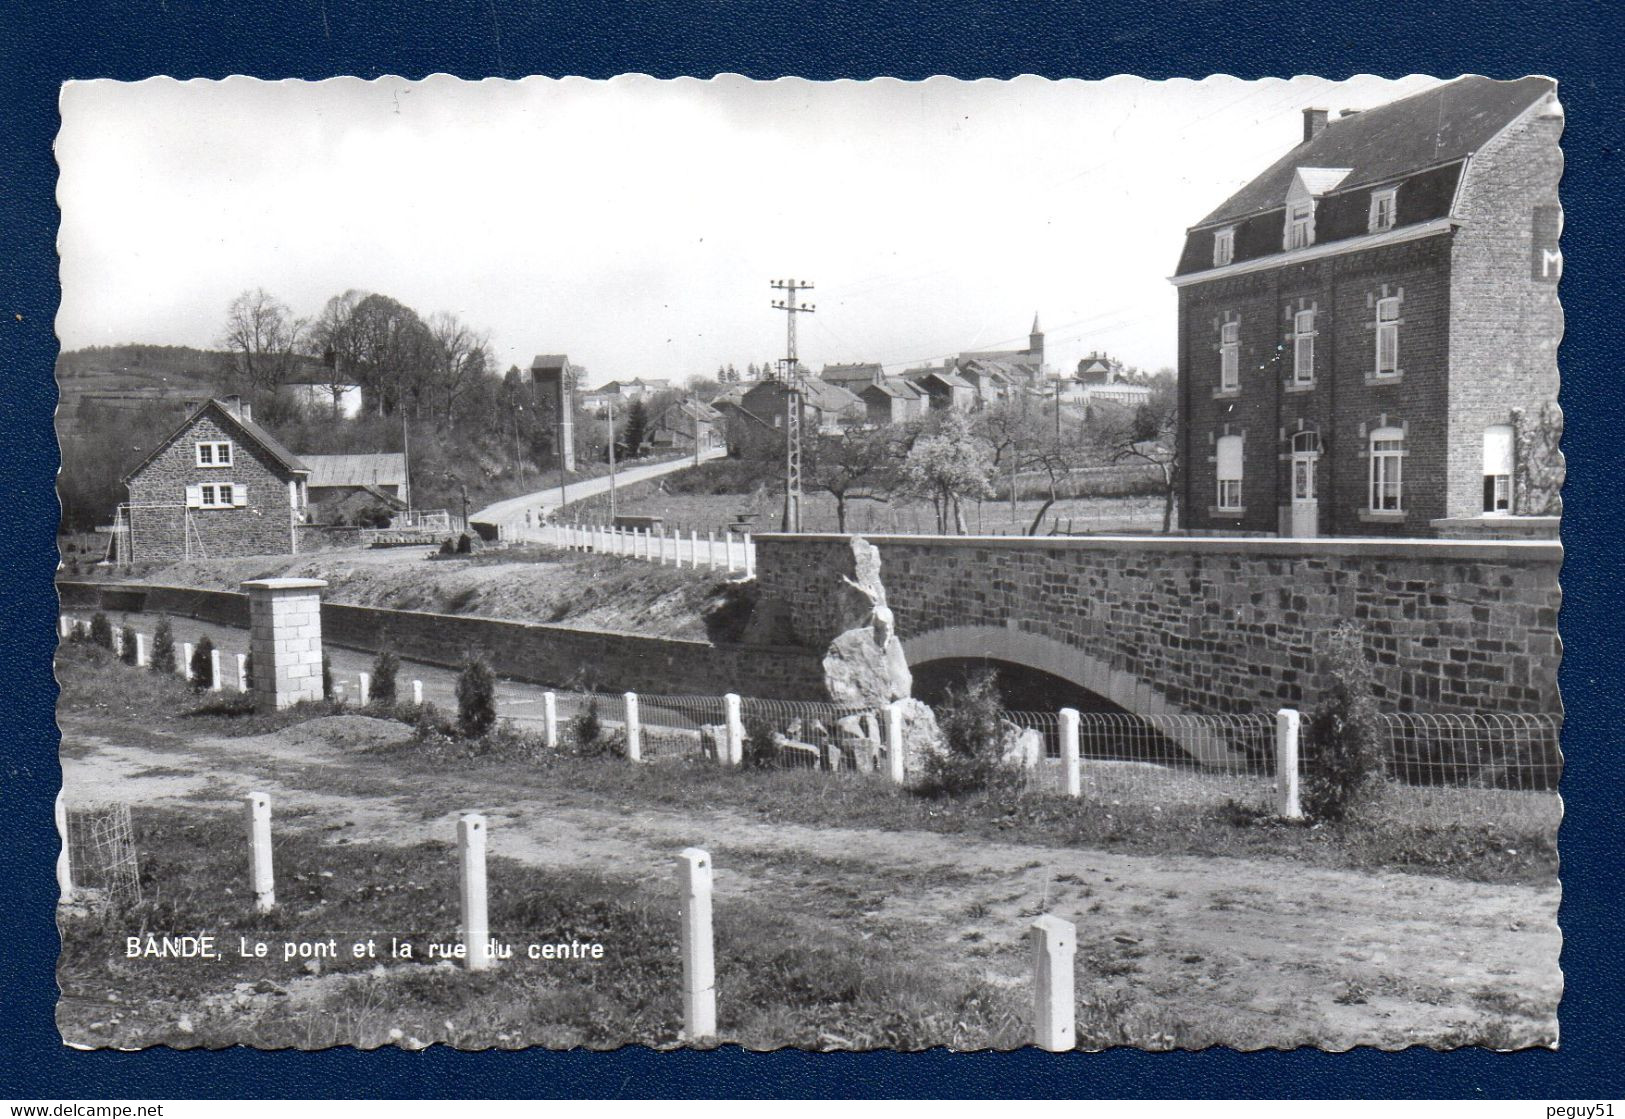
(319, 386)
(755, 421)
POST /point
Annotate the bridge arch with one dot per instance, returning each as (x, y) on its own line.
(1067, 662)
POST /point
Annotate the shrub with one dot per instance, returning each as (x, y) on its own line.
(163, 647)
(201, 670)
(585, 728)
(761, 749)
(248, 672)
(465, 545)
(384, 671)
(447, 548)
(476, 698)
(1344, 766)
(971, 758)
(101, 631)
(327, 676)
(127, 645)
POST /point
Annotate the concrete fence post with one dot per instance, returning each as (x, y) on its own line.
(734, 722)
(728, 549)
(694, 874)
(1054, 1014)
(216, 680)
(694, 548)
(185, 665)
(750, 558)
(64, 626)
(894, 743)
(261, 877)
(634, 729)
(660, 542)
(1287, 723)
(417, 692)
(141, 650)
(711, 549)
(476, 921)
(64, 857)
(363, 688)
(1070, 760)
(242, 672)
(550, 720)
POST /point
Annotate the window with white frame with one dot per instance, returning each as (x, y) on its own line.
(1387, 469)
(1300, 225)
(1228, 457)
(1498, 468)
(1383, 211)
(214, 453)
(1388, 337)
(1230, 356)
(1224, 246)
(1303, 348)
(216, 495)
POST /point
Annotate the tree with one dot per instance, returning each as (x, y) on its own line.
(1149, 434)
(1539, 461)
(336, 336)
(460, 355)
(855, 466)
(263, 337)
(395, 350)
(163, 647)
(636, 429)
(949, 467)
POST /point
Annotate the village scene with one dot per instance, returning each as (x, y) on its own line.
(1167, 675)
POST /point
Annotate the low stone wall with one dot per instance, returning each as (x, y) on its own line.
(1217, 625)
(541, 654)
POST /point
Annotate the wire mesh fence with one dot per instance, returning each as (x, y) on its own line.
(794, 734)
(677, 727)
(101, 852)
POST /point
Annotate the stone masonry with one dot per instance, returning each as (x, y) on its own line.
(285, 639)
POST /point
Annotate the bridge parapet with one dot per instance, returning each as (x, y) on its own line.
(1213, 624)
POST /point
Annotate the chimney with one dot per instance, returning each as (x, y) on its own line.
(1314, 121)
(239, 407)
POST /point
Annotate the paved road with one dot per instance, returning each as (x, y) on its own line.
(509, 515)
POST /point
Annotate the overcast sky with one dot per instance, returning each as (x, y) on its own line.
(635, 224)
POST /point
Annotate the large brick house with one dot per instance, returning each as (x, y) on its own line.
(219, 485)
(755, 421)
(1367, 328)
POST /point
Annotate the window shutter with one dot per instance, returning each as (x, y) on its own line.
(194, 497)
(239, 496)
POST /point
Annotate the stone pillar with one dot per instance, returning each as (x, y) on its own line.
(285, 619)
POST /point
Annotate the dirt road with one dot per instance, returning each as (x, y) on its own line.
(1257, 953)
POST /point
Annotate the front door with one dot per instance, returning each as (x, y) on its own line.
(1305, 506)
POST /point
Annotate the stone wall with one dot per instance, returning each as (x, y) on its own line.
(1219, 625)
(542, 654)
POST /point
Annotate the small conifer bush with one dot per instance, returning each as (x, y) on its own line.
(202, 666)
(163, 648)
(1344, 770)
(476, 698)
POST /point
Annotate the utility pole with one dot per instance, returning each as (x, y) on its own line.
(611, 404)
(694, 403)
(790, 377)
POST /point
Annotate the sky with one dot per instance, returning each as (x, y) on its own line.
(635, 224)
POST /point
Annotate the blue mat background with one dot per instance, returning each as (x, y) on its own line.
(45, 44)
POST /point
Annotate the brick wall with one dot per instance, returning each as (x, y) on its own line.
(1506, 323)
(1220, 625)
(542, 654)
(263, 527)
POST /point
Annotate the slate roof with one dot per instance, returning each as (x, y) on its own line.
(549, 361)
(1441, 125)
(867, 372)
(356, 470)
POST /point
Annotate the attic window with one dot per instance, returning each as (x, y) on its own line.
(1300, 225)
(1224, 246)
(214, 454)
(1383, 209)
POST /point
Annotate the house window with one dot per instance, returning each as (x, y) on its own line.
(214, 454)
(1382, 209)
(1229, 460)
(1498, 469)
(1224, 246)
(1230, 356)
(216, 495)
(1300, 225)
(1303, 348)
(1387, 468)
(1388, 337)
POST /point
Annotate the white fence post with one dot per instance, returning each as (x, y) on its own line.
(417, 692)
(550, 720)
(363, 687)
(261, 876)
(734, 723)
(728, 549)
(711, 549)
(1054, 1015)
(242, 672)
(476, 922)
(634, 730)
(694, 548)
(185, 667)
(140, 650)
(215, 680)
(64, 858)
(64, 626)
(750, 558)
(894, 742)
(1287, 724)
(699, 961)
(1069, 752)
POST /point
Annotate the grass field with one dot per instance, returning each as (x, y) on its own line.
(849, 914)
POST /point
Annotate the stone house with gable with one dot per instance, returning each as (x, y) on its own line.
(218, 485)
(1367, 327)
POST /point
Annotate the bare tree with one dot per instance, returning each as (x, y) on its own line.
(855, 466)
(461, 354)
(1148, 434)
(336, 338)
(264, 337)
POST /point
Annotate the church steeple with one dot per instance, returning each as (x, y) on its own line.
(1035, 341)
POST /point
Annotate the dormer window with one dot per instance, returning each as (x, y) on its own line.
(1224, 246)
(1300, 225)
(1383, 211)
